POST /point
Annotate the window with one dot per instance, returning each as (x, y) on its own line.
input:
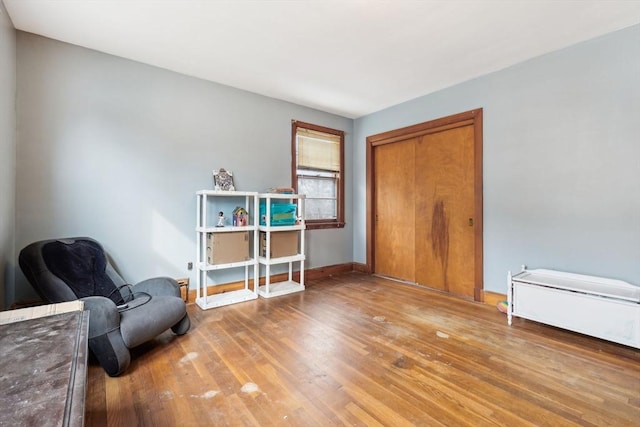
(318, 172)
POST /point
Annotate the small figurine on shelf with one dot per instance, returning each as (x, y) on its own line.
(240, 217)
(220, 219)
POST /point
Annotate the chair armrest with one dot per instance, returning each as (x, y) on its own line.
(103, 315)
(158, 286)
(105, 339)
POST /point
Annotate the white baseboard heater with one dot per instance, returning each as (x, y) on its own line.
(604, 308)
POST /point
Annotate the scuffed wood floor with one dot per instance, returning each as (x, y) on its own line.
(360, 350)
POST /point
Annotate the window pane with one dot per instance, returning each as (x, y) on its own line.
(321, 194)
(320, 209)
(317, 187)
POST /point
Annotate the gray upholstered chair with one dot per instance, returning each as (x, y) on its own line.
(121, 316)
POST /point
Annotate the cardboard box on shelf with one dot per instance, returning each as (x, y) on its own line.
(283, 243)
(224, 248)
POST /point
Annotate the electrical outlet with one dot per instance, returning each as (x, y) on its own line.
(189, 266)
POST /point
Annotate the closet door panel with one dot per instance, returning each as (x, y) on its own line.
(395, 210)
(445, 211)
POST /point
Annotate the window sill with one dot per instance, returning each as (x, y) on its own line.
(323, 225)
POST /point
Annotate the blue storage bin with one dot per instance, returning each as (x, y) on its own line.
(281, 214)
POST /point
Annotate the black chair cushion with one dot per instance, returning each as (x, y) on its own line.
(81, 264)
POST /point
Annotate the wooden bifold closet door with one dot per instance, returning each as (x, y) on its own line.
(426, 205)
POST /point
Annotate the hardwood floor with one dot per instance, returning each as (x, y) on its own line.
(360, 350)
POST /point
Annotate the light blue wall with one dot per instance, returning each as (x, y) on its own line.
(115, 149)
(7, 155)
(561, 159)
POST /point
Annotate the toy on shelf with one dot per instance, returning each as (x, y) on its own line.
(240, 217)
(221, 219)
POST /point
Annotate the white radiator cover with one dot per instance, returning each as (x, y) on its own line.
(595, 306)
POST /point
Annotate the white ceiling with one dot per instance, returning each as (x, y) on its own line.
(347, 57)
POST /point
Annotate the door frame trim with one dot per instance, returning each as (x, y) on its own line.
(472, 117)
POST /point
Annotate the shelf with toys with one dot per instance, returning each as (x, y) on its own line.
(226, 243)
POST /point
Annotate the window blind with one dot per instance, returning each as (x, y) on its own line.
(318, 150)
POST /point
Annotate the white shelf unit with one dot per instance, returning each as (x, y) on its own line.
(269, 290)
(206, 222)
